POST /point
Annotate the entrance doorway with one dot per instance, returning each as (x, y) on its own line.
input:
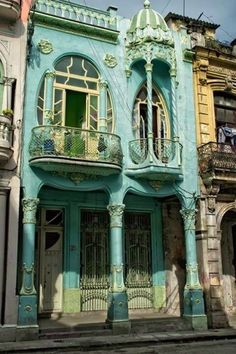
(138, 261)
(228, 250)
(95, 267)
(51, 261)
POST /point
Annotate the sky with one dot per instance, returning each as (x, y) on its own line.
(221, 12)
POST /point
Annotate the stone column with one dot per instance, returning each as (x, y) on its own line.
(3, 208)
(48, 104)
(148, 68)
(27, 315)
(7, 91)
(117, 313)
(193, 294)
(103, 106)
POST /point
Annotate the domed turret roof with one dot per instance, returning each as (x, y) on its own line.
(147, 18)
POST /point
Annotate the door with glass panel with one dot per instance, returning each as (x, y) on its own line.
(51, 261)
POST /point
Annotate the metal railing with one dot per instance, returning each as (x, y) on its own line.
(165, 150)
(75, 143)
(217, 156)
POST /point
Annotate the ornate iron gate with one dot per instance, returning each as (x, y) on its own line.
(138, 278)
(94, 260)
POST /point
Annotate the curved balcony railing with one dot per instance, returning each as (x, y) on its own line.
(74, 143)
(165, 150)
(5, 138)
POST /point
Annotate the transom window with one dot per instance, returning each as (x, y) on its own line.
(76, 95)
(160, 125)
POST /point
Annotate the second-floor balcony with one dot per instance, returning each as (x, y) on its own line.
(158, 159)
(67, 150)
(5, 138)
(217, 161)
(10, 9)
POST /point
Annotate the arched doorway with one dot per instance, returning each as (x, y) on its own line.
(228, 254)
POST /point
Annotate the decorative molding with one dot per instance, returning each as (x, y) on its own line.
(6, 45)
(156, 184)
(48, 116)
(50, 74)
(192, 280)
(188, 216)
(45, 47)
(117, 272)
(29, 210)
(28, 280)
(149, 51)
(222, 71)
(116, 213)
(188, 55)
(148, 67)
(110, 60)
(102, 84)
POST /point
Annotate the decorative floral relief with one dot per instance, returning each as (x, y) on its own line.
(45, 47)
(110, 60)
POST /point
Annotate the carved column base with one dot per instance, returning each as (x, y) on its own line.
(194, 308)
(27, 315)
(117, 314)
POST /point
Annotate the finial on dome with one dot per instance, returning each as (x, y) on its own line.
(146, 4)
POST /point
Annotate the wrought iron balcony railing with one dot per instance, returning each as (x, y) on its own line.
(10, 9)
(217, 156)
(5, 138)
(165, 151)
(74, 143)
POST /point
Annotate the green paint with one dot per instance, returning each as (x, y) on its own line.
(72, 301)
(75, 108)
(198, 323)
(159, 297)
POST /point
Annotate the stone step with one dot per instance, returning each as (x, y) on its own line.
(103, 329)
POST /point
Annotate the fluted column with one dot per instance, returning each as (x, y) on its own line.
(117, 298)
(193, 294)
(28, 296)
(48, 104)
(103, 106)
(3, 208)
(148, 68)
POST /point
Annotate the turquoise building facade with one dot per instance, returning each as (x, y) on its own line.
(109, 173)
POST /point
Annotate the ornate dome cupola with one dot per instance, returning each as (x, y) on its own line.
(148, 25)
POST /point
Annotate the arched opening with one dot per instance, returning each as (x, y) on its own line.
(160, 126)
(228, 254)
(76, 92)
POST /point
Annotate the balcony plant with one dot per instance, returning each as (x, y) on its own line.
(8, 112)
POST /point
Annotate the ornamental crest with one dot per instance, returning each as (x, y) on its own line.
(110, 60)
(45, 47)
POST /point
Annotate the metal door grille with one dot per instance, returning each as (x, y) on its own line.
(138, 279)
(94, 268)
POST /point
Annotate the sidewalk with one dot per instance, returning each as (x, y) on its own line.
(115, 341)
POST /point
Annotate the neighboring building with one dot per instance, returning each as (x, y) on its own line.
(215, 93)
(13, 37)
(109, 172)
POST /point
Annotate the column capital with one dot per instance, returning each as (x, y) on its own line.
(148, 67)
(116, 212)
(188, 216)
(103, 84)
(29, 210)
(50, 74)
(172, 72)
(8, 81)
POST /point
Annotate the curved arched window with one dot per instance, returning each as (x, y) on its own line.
(76, 95)
(1, 85)
(160, 126)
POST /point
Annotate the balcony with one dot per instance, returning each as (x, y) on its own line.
(162, 161)
(5, 138)
(79, 18)
(10, 9)
(67, 151)
(217, 161)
